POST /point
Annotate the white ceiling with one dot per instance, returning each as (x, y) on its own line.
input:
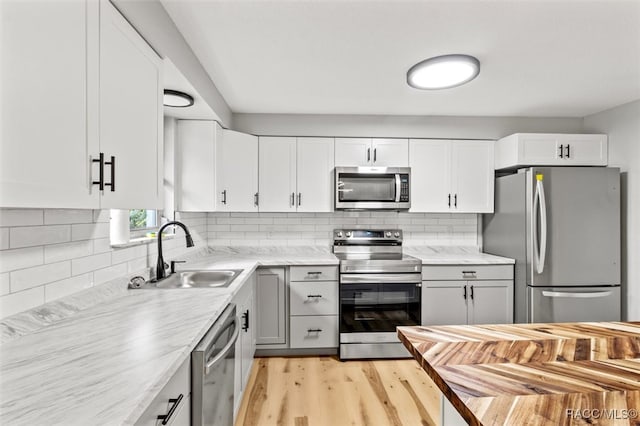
(175, 80)
(564, 58)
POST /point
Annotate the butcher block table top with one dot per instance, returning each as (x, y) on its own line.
(534, 374)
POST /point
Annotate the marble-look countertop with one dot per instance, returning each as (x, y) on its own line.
(101, 356)
(534, 374)
(455, 255)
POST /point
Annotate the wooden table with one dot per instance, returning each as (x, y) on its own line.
(534, 374)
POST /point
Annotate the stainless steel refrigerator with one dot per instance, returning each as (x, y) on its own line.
(562, 225)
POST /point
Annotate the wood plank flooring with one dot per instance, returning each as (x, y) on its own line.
(323, 391)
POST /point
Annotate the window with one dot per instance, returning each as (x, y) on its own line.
(142, 220)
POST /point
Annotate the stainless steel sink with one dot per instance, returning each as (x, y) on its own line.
(197, 279)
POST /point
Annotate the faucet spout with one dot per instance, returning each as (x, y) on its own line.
(160, 270)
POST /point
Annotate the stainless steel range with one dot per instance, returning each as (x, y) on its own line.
(380, 289)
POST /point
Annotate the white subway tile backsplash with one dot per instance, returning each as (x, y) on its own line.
(21, 301)
(89, 231)
(107, 274)
(90, 263)
(101, 245)
(5, 287)
(58, 216)
(31, 277)
(29, 236)
(65, 251)
(126, 254)
(21, 217)
(62, 288)
(4, 238)
(101, 216)
(21, 258)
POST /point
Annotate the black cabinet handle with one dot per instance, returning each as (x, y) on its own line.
(368, 154)
(245, 319)
(256, 200)
(112, 163)
(165, 417)
(465, 292)
(299, 198)
(568, 151)
(471, 292)
(561, 151)
(455, 201)
(224, 197)
(375, 154)
(293, 199)
(314, 330)
(100, 181)
(314, 295)
(449, 202)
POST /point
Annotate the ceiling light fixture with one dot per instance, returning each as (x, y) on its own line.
(174, 98)
(443, 72)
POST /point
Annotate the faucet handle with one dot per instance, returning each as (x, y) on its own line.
(173, 265)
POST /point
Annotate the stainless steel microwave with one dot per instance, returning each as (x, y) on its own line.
(373, 188)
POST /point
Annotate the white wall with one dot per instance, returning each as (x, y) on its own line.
(169, 147)
(399, 126)
(622, 124)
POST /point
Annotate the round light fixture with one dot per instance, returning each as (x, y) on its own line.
(443, 72)
(174, 98)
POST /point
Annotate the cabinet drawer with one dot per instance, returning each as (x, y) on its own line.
(319, 331)
(314, 273)
(314, 298)
(467, 272)
(179, 384)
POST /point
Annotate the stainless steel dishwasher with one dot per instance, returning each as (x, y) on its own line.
(213, 372)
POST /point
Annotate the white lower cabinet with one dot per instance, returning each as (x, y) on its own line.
(173, 402)
(246, 344)
(313, 305)
(472, 294)
(271, 312)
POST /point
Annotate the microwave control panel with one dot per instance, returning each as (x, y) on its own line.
(404, 188)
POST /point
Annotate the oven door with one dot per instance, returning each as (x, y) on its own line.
(372, 188)
(378, 307)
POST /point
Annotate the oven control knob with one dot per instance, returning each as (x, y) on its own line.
(339, 234)
(388, 234)
(397, 235)
(348, 233)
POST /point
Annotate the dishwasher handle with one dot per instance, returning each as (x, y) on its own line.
(230, 345)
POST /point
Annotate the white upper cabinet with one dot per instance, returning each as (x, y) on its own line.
(453, 176)
(315, 158)
(390, 152)
(44, 145)
(130, 114)
(78, 81)
(237, 172)
(371, 152)
(195, 159)
(277, 174)
(295, 174)
(549, 149)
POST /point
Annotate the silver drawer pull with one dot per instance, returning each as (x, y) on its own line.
(314, 330)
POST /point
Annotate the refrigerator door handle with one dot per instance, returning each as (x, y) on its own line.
(540, 207)
(588, 295)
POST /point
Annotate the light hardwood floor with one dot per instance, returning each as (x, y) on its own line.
(323, 391)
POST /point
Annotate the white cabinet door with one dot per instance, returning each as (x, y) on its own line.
(237, 172)
(248, 336)
(277, 174)
(353, 152)
(390, 152)
(131, 124)
(430, 162)
(444, 303)
(44, 160)
(195, 165)
(315, 159)
(270, 307)
(584, 150)
(539, 149)
(472, 174)
(491, 302)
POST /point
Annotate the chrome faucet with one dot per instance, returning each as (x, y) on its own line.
(160, 267)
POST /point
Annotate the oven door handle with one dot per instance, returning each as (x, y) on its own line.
(398, 187)
(380, 278)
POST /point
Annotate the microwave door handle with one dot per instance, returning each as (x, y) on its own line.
(398, 186)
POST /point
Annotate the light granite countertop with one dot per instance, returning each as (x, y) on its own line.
(456, 255)
(103, 362)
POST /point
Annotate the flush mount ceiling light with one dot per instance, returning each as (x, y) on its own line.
(443, 72)
(174, 98)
